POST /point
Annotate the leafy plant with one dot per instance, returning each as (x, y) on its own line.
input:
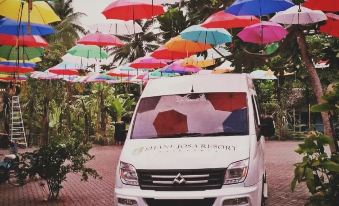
(54, 161)
(319, 171)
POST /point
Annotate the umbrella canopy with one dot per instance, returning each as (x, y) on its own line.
(132, 10)
(27, 53)
(12, 27)
(332, 25)
(213, 36)
(299, 15)
(198, 63)
(20, 64)
(176, 67)
(27, 40)
(323, 5)
(100, 39)
(87, 51)
(225, 20)
(15, 69)
(98, 77)
(65, 68)
(170, 122)
(117, 27)
(44, 75)
(41, 12)
(263, 33)
(164, 53)
(11, 78)
(158, 74)
(178, 44)
(261, 74)
(148, 63)
(119, 73)
(258, 7)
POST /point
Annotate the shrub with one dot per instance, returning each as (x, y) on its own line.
(319, 171)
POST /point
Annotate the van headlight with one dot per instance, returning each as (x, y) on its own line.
(236, 172)
(128, 174)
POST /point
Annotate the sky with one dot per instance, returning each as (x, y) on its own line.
(93, 9)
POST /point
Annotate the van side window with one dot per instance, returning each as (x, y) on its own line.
(256, 117)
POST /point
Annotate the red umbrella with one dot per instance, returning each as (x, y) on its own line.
(132, 10)
(115, 73)
(170, 122)
(100, 40)
(164, 53)
(148, 63)
(332, 25)
(26, 40)
(14, 69)
(225, 20)
(324, 5)
(63, 71)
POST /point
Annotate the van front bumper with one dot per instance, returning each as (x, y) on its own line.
(134, 196)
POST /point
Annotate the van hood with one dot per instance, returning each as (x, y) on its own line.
(185, 153)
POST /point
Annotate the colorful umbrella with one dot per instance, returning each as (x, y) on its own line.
(176, 67)
(263, 33)
(258, 7)
(170, 122)
(118, 73)
(11, 78)
(323, 5)
(164, 53)
(9, 26)
(213, 36)
(225, 20)
(132, 10)
(20, 64)
(198, 63)
(65, 68)
(44, 75)
(178, 44)
(158, 74)
(117, 27)
(27, 40)
(98, 77)
(261, 74)
(15, 69)
(299, 15)
(87, 51)
(148, 63)
(100, 40)
(18, 10)
(332, 25)
(27, 53)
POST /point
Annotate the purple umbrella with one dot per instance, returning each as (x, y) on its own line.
(176, 67)
(263, 33)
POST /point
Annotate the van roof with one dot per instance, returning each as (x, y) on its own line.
(199, 83)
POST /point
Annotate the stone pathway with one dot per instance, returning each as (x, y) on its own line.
(280, 157)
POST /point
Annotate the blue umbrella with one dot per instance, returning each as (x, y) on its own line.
(258, 7)
(12, 27)
(214, 36)
(26, 64)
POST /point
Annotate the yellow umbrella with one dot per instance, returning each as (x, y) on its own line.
(41, 12)
(197, 63)
(181, 45)
(35, 60)
(222, 70)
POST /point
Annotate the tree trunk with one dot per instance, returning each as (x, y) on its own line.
(315, 82)
(45, 123)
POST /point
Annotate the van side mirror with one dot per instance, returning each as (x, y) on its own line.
(267, 127)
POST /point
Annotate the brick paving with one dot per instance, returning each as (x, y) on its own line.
(280, 157)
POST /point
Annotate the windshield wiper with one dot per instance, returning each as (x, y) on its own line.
(182, 135)
(223, 134)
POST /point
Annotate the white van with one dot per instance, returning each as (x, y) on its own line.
(194, 141)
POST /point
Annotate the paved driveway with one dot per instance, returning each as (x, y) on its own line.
(280, 157)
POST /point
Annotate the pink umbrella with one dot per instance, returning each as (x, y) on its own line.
(177, 67)
(44, 75)
(164, 53)
(100, 40)
(26, 40)
(148, 63)
(263, 33)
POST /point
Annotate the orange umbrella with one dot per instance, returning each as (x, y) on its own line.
(178, 44)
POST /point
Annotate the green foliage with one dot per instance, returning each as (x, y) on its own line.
(331, 101)
(54, 161)
(319, 171)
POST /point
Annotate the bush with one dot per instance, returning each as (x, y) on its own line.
(319, 171)
(54, 161)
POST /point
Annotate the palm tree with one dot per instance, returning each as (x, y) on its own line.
(137, 45)
(68, 29)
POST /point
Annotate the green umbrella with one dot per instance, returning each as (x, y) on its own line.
(88, 51)
(271, 48)
(26, 53)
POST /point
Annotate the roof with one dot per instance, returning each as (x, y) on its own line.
(199, 83)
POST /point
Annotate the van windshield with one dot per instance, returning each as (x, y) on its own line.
(191, 115)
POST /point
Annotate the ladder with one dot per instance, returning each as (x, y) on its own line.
(17, 129)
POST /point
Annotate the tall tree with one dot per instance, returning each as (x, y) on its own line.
(137, 45)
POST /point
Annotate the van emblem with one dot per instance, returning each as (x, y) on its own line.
(179, 179)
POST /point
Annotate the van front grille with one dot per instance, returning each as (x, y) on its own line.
(181, 180)
(202, 202)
